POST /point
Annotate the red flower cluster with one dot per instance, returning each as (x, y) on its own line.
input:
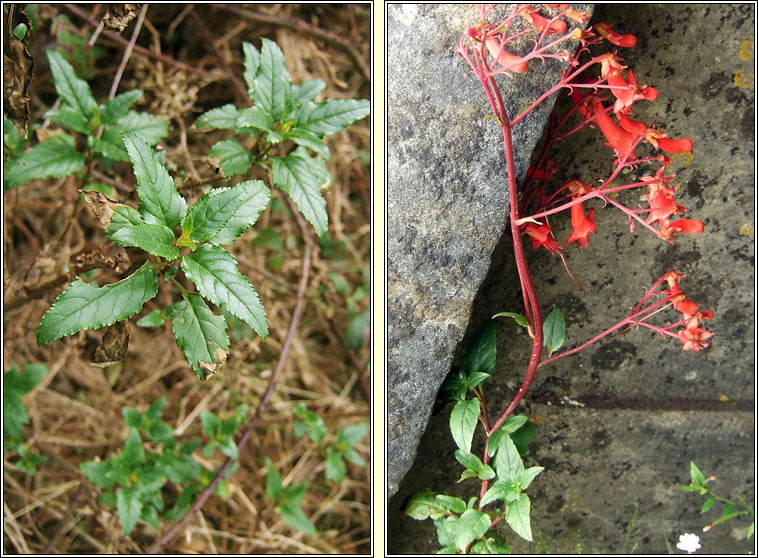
(693, 336)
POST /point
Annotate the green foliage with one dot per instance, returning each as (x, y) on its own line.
(133, 480)
(465, 526)
(731, 508)
(283, 111)
(288, 501)
(554, 331)
(58, 156)
(15, 417)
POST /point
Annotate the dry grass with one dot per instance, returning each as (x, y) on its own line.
(76, 411)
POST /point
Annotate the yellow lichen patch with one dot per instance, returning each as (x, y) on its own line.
(748, 230)
(685, 159)
(536, 419)
(746, 50)
(742, 80)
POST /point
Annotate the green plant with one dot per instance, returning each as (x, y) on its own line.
(15, 386)
(282, 111)
(731, 508)
(288, 501)
(133, 480)
(101, 126)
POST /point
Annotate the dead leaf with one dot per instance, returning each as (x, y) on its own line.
(18, 71)
(101, 205)
(211, 368)
(118, 16)
(114, 345)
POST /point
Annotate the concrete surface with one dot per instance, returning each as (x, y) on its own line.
(615, 466)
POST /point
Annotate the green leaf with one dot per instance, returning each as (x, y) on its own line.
(133, 453)
(698, 479)
(476, 378)
(96, 471)
(352, 435)
(422, 505)
(69, 118)
(252, 64)
(233, 158)
(359, 329)
(55, 158)
(520, 318)
(309, 140)
(494, 442)
(554, 330)
(471, 525)
(228, 447)
(151, 128)
(118, 107)
(155, 239)
(329, 117)
(295, 517)
(707, 505)
(82, 306)
(151, 319)
(16, 385)
(490, 545)
(335, 466)
(132, 417)
(298, 175)
(123, 217)
(255, 117)
(223, 214)
(307, 91)
(463, 422)
(523, 436)
(508, 462)
(211, 423)
(517, 516)
(160, 202)
(513, 423)
(498, 491)
(446, 528)
(223, 118)
(199, 333)
(468, 460)
(353, 457)
(272, 83)
(526, 477)
(214, 271)
(73, 91)
(487, 473)
(129, 509)
(480, 354)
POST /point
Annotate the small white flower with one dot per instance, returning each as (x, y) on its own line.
(688, 543)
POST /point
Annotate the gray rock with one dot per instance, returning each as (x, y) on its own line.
(447, 201)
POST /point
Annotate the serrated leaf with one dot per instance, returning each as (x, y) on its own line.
(154, 239)
(480, 355)
(272, 83)
(508, 462)
(497, 491)
(106, 148)
(223, 214)
(554, 330)
(233, 158)
(526, 478)
(73, 91)
(151, 128)
(255, 117)
(82, 306)
(223, 118)
(199, 333)
(129, 507)
(329, 117)
(517, 516)
(119, 106)
(309, 140)
(214, 272)
(307, 91)
(69, 118)
(297, 176)
(252, 63)
(123, 216)
(160, 202)
(463, 422)
(520, 318)
(55, 158)
(96, 472)
(471, 525)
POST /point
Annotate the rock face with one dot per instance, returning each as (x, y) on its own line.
(447, 201)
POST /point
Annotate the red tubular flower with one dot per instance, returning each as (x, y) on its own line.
(686, 307)
(633, 92)
(604, 29)
(581, 224)
(506, 58)
(683, 145)
(691, 226)
(541, 236)
(618, 139)
(540, 22)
